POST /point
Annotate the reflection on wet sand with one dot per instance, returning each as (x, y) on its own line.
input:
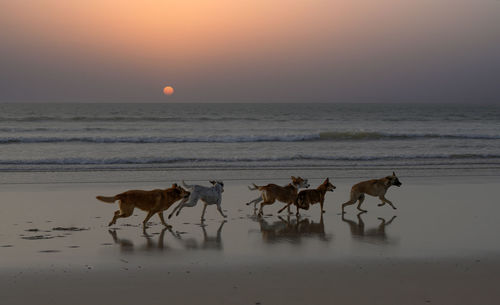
(291, 230)
(376, 234)
(127, 245)
(208, 242)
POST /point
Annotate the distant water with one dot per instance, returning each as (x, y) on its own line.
(97, 137)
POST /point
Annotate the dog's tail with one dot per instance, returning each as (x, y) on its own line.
(186, 185)
(255, 187)
(107, 199)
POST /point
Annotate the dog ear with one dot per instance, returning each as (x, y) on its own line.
(293, 178)
(174, 185)
(394, 174)
(213, 182)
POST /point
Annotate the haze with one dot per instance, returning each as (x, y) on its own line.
(250, 51)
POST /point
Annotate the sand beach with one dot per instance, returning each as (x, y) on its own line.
(439, 246)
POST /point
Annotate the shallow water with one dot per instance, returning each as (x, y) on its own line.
(97, 137)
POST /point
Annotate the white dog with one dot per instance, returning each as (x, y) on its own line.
(209, 196)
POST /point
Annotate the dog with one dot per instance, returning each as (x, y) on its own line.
(272, 192)
(374, 187)
(308, 197)
(209, 195)
(155, 201)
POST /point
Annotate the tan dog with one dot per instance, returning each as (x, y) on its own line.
(273, 192)
(374, 187)
(155, 201)
(308, 197)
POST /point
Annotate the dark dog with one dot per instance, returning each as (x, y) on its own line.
(307, 197)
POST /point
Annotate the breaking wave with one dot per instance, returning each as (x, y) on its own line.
(173, 160)
(321, 136)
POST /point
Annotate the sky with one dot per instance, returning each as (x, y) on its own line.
(250, 51)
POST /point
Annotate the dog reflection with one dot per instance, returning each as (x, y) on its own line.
(126, 245)
(376, 234)
(292, 230)
(208, 242)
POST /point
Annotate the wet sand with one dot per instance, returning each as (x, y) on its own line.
(440, 246)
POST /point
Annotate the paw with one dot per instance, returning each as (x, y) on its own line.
(380, 204)
(394, 208)
(323, 211)
(169, 216)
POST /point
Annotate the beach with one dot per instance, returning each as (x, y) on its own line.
(439, 246)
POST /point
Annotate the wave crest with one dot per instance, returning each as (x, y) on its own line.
(161, 160)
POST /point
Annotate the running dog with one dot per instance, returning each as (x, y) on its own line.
(272, 192)
(209, 196)
(155, 201)
(374, 187)
(308, 197)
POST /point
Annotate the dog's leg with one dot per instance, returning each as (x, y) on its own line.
(115, 217)
(203, 213)
(193, 200)
(255, 201)
(175, 209)
(384, 200)
(285, 207)
(122, 213)
(160, 214)
(145, 221)
(262, 204)
(361, 199)
(220, 210)
(350, 202)
(321, 204)
(297, 214)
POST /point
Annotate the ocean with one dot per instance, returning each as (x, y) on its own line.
(126, 142)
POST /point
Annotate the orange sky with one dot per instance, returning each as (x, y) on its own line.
(203, 46)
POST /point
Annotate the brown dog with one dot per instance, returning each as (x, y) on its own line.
(155, 201)
(308, 197)
(374, 187)
(273, 192)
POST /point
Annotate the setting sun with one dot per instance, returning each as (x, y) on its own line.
(168, 90)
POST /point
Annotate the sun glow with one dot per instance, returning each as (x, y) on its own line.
(168, 90)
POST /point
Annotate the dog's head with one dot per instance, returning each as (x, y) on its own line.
(218, 185)
(183, 193)
(393, 180)
(300, 182)
(328, 186)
